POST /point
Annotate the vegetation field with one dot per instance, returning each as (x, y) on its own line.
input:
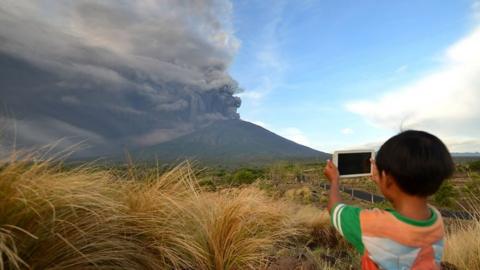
(135, 217)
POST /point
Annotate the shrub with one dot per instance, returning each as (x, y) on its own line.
(474, 165)
(446, 194)
(246, 176)
(472, 186)
(207, 184)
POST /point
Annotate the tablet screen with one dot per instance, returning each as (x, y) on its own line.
(354, 163)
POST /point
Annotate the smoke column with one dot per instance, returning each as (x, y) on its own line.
(114, 73)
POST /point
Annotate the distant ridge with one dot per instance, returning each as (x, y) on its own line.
(466, 154)
(232, 142)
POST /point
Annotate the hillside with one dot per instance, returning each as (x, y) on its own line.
(465, 157)
(232, 141)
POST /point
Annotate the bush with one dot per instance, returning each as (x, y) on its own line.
(474, 165)
(472, 186)
(446, 194)
(207, 184)
(246, 176)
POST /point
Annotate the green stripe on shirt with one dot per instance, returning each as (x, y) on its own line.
(421, 223)
(346, 219)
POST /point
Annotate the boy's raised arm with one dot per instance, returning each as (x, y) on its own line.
(332, 175)
(345, 218)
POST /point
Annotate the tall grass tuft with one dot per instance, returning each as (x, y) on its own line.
(239, 228)
(55, 219)
(91, 218)
(463, 239)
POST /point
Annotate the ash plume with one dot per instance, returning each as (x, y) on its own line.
(114, 73)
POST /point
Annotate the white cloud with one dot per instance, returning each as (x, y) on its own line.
(445, 102)
(347, 131)
(291, 133)
(294, 134)
(264, 87)
(260, 123)
(455, 144)
(464, 144)
(255, 95)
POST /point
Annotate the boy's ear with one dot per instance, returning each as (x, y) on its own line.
(388, 180)
(383, 175)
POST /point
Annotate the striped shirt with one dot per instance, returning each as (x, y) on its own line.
(388, 240)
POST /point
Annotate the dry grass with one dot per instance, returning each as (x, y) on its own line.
(87, 218)
(239, 229)
(92, 218)
(462, 247)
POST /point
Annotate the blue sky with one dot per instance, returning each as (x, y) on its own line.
(347, 74)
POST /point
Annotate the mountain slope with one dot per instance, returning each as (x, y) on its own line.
(232, 141)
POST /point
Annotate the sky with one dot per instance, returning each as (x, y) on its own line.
(327, 74)
(350, 74)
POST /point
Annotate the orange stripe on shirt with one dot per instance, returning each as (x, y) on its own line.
(380, 223)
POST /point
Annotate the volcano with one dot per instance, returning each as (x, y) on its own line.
(231, 142)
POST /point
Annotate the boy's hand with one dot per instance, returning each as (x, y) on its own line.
(331, 171)
(332, 175)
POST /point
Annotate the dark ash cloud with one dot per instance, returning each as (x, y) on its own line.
(115, 73)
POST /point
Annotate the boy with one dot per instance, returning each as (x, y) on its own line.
(408, 168)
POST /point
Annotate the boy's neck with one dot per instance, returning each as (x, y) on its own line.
(412, 207)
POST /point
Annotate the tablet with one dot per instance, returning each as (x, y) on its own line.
(353, 163)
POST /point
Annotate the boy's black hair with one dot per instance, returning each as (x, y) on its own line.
(418, 161)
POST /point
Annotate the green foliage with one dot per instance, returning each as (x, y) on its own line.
(265, 185)
(446, 194)
(461, 168)
(220, 173)
(207, 184)
(473, 185)
(474, 165)
(278, 173)
(246, 176)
